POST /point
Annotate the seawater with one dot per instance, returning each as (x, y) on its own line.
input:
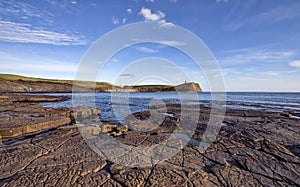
(126, 103)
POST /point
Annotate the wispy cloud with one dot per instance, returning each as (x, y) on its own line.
(222, 1)
(244, 56)
(150, 1)
(146, 50)
(165, 24)
(249, 78)
(280, 13)
(127, 75)
(151, 16)
(24, 33)
(239, 18)
(269, 73)
(295, 64)
(21, 9)
(17, 64)
(172, 43)
(67, 6)
(173, 1)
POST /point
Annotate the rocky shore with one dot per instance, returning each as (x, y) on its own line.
(45, 147)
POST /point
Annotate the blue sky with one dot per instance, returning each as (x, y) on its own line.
(255, 42)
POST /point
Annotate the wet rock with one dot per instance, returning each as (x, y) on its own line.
(258, 149)
(19, 116)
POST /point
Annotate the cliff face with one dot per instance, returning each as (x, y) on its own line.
(20, 86)
(188, 87)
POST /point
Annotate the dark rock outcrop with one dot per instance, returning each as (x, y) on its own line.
(20, 86)
(253, 149)
(18, 116)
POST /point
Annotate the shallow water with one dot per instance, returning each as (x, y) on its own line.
(116, 106)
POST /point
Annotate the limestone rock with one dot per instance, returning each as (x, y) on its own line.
(108, 127)
(257, 149)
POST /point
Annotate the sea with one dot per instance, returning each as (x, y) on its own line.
(116, 106)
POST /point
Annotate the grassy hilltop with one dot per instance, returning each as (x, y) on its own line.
(18, 83)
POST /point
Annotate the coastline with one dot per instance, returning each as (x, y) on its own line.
(143, 93)
(252, 148)
(20, 84)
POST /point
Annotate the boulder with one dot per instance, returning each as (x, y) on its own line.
(108, 128)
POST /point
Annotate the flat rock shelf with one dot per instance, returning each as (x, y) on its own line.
(252, 149)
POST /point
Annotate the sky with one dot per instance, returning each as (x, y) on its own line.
(255, 42)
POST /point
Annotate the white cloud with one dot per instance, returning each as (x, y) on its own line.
(149, 16)
(24, 33)
(129, 10)
(124, 20)
(158, 16)
(269, 73)
(146, 50)
(222, 1)
(172, 43)
(173, 1)
(150, 1)
(165, 24)
(295, 63)
(115, 20)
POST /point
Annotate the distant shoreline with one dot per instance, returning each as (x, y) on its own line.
(20, 84)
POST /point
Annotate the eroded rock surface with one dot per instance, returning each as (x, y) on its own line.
(252, 149)
(19, 116)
